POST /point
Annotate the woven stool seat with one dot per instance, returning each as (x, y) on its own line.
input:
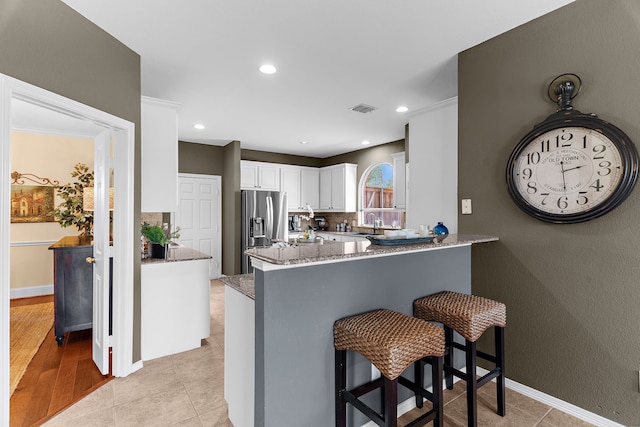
(469, 315)
(390, 340)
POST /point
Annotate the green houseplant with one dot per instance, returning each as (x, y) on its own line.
(71, 210)
(158, 237)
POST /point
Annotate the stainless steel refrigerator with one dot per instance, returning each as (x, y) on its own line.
(264, 219)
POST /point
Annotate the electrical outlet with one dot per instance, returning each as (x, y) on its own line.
(466, 206)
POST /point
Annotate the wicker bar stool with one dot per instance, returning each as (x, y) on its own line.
(391, 341)
(470, 316)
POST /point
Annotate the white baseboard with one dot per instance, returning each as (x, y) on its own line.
(554, 402)
(32, 291)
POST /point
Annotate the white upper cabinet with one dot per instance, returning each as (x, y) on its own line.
(399, 181)
(290, 182)
(310, 187)
(159, 155)
(338, 188)
(302, 185)
(259, 176)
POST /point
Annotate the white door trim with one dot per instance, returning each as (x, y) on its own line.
(123, 223)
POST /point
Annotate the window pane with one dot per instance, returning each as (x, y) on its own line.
(378, 189)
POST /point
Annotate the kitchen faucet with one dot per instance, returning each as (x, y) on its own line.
(375, 221)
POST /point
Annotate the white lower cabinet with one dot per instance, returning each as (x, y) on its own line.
(175, 313)
(239, 356)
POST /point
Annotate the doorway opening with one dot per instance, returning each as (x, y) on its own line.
(119, 133)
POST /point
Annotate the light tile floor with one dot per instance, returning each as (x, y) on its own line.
(187, 390)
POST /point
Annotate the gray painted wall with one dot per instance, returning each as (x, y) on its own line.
(200, 158)
(572, 291)
(47, 44)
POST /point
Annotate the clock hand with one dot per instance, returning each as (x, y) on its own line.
(570, 169)
(564, 184)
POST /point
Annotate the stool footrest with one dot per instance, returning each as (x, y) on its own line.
(494, 373)
(367, 387)
(486, 356)
(352, 397)
(365, 409)
(416, 389)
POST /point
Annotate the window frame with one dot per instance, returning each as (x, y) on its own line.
(363, 221)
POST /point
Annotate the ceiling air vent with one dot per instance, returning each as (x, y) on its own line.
(363, 108)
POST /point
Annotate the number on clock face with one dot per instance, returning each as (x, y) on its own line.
(568, 170)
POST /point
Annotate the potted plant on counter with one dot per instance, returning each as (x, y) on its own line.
(159, 238)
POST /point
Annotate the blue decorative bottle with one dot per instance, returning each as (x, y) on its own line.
(440, 229)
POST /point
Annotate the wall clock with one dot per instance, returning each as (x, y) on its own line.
(572, 167)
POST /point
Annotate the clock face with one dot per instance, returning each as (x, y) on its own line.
(572, 173)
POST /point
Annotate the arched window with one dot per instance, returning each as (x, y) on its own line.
(376, 197)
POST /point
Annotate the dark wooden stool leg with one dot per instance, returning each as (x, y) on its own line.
(472, 384)
(418, 369)
(448, 355)
(436, 386)
(499, 345)
(390, 402)
(340, 386)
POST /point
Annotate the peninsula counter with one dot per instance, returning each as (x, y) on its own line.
(286, 332)
(175, 314)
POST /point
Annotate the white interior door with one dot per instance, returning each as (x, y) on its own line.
(101, 252)
(199, 216)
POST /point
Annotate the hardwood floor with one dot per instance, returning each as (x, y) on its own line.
(56, 378)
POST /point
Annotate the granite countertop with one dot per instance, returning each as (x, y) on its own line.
(179, 253)
(303, 253)
(243, 283)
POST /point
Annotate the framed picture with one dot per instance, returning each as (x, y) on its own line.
(32, 203)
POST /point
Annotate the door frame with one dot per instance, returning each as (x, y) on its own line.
(217, 180)
(123, 134)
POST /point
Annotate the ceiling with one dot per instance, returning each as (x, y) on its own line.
(330, 56)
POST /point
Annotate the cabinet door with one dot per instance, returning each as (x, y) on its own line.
(310, 187)
(269, 177)
(325, 189)
(159, 156)
(290, 182)
(337, 189)
(399, 181)
(259, 176)
(248, 176)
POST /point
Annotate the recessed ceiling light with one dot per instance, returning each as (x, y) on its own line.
(365, 142)
(304, 142)
(199, 126)
(402, 109)
(267, 69)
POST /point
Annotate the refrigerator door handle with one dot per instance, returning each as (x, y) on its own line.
(269, 224)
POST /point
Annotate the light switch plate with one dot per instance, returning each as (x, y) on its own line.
(466, 206)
